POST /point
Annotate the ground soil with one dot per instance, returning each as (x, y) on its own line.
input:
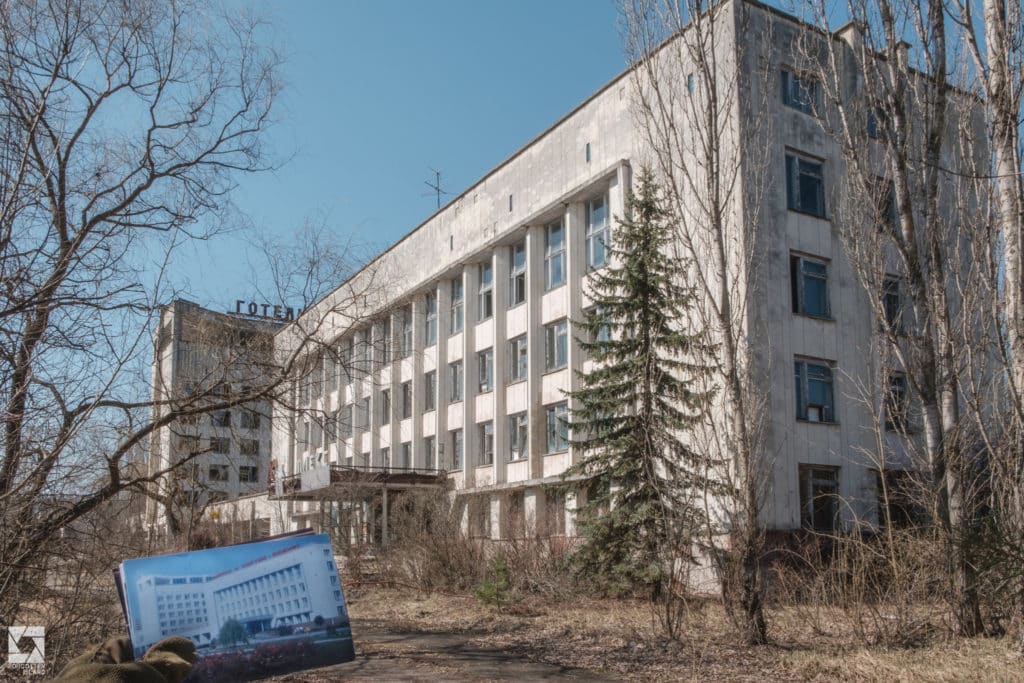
(402, 635)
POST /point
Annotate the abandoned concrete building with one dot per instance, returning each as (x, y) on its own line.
(453, 374)
(200, 353)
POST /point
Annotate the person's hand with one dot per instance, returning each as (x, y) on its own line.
(168, 661)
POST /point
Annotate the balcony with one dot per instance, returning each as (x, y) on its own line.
(336, 482)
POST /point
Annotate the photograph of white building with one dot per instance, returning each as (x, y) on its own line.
(262, 586)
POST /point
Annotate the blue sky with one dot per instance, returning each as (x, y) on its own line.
(377, 93)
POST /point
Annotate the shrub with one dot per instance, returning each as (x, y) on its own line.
(496, 590)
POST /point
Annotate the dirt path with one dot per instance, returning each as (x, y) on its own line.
(383, 654)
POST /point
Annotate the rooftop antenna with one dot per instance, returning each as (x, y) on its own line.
(436, 186)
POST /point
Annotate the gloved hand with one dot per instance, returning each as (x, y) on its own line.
(168, 661)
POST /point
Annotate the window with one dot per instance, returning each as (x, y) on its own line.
(428, 452)
(896, 403)
(456, 437)
(429, 391)
(518, 437)
(317, 378)
(406, 319)
(819, 497)
(805, 185)
(604, 329)
(556, 345)
(363, 413)
(598, 232)
(814, 391)
(898, 498)
(689, 83)
(800, 92)
(385, 456)
(557, 427)
(430, 325)
(385, 406)
(384, 342)
(518, 362)
(485, 369)
(406, 455)
(892, 306)
(248, 473)
(554, 511)
(517, 274)
(456, 307)
(345, 361)
(809, 282)
(885, 207)
(554, 255)
(249, 447)
(486, 298)
(406, 400)
(220, 444)
(220, 418)
(218, 473)
(486, 433)
(455, 381)
(345, 420)
(250, 419)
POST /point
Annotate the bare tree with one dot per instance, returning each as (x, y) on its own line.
(708, 148)
(122, 129)
(995, 68)
(903, 217)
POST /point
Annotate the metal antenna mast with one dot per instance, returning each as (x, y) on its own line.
(436, 186)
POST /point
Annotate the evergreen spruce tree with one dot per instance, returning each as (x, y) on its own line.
(644, 485)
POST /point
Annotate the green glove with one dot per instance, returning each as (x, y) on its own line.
(168, 661)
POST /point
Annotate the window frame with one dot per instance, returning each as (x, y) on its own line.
(429, 449)
(799, 274)
(430, 319)
(553, 255)
(455, 381)
(810, 476)
(429, 390)
(406, 346)
(897, 403)
(556, 427)
(385, 341)
(385, 407)
(485, 370)
(518, 436)
(456, 309)
(517, 280)
(485, 433)
(593, 233)
(519, 359)
(552, 336)
(407, 407)
(826, 411)
(458, 447)
(801, 92)
(795, 173)
(892, 303)
(485, 291)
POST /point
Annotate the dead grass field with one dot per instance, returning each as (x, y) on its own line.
(617, 639)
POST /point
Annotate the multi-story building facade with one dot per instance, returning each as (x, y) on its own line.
(200, 356)
(466, 364)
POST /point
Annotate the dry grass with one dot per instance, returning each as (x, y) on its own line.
(619, 639)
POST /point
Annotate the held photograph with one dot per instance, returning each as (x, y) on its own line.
(251, 610)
